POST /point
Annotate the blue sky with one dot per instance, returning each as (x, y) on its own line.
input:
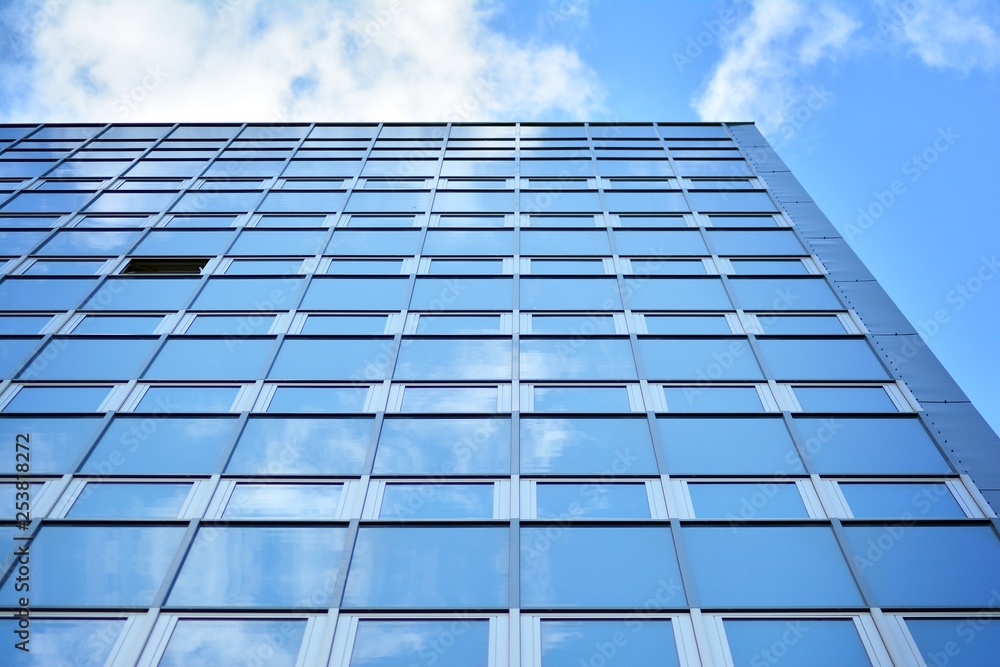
(885, 111)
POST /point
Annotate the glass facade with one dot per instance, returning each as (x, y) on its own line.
(539, 395)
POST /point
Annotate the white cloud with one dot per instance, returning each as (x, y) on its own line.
(949, 35)
(761, 75)
(265, 60)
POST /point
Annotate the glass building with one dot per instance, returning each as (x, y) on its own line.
(456, 395)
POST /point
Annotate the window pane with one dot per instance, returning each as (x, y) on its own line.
(737, 501)
(97, 566)
(844, 399)
(62, 268)
(586, 446)
(769, 566)
(318, 399)
(636, 642)
(727, 446)
(437, 501)
(467, 266)
(161, 445)
(355, 294)
(413, 567)
(344, 324)
(90, 359)
(209, 642)
(772, 266)
(699, 359)
(260, 566)
(859, 446)
(205, 359)
(57, 399)
(800, 324)
(110, 324)
(703, 398)
(566, 266)
(143, 294)
(443, 447)
(472, 242)
(576, 242)
(449, 399)
(458, 324)
(462, 294)
(187, 399)
(55, 441)
(279, 242)
(284, 501)
(757, 242)
(949, 641)
(301, 446)
(23, 324)
(180, 243)
(581, 399)
(578, 325)
(579, 358)
(821, 359)
(365, 266)
(677, 294)
(453, 359)
(254, 294)
(591, 501)
(63, 642)
(783, 294)
(44, 293)
(957, 566)
(666, 267)
(899, 500)
(101, 500)
(796, 643)
(570, 294)
(231, 325)
(332, 359)
(659, 243)
(380, 643)
(625, 568)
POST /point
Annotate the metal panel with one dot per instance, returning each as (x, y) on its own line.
(912, 361)
(968, 441)
(785, 187)
(874, 307)
(839, 259)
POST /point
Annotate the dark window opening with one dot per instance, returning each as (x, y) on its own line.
(166, 265)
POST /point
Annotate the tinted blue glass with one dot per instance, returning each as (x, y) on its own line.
(412, 166)
(844, 399)
(55, 442)
(198, 398)
(43, 293)
(578, 325)
(821, 359)
(898, 500)
(467, 446)
(660, 243)
(713, 168)
(64, 642)
(733, 202)
(477, 168)
(365, 266)
(332, 359)
(559, 201)
(180, 243)
(784, 294)
(212, 202)
(586, 446)
(24, 324)
(558, 168)
(767, 267)
(677, 294)
(284, 501)
(100, 500)
(325, 168)
(458, 324)
(462, 293)
(90, 359)
(748, 500)
(161, 445)
(576, 242)
(382, 242)
(570, 294)
(152, 168)
(652, 221)
(260, 566)
(344, 324)
(859, 446)
(110, 324)
(634, 168)
(453, 359)
(562, 220)
(143, 294)
(957, 642)
(699, 359)
(279, 242)
(212, 642)
(727, 446)
(98, 566)
(129, 202)
(355, 294)
(579, 358)
(384, 202)
(796, 643)
(328, 201)
(567, 266)
(446, 643)
(472, 242)
(625, 568)
(475, 202)
(957, 566)
(57, 399)
(581, 399)
(254, 294)
(635, 642)
(231, 325)
(801, 324)
(301, 446)
(19, 243)
(769, 566)
(240, 168)
(14, 352)
(407, 567)
(644, 201)
(668, 267)
(437, 501)
(318, 399)
(757, 242)
(591, 501)
(449, 399)
(701, 398)
(46, 202)
(209, 359)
